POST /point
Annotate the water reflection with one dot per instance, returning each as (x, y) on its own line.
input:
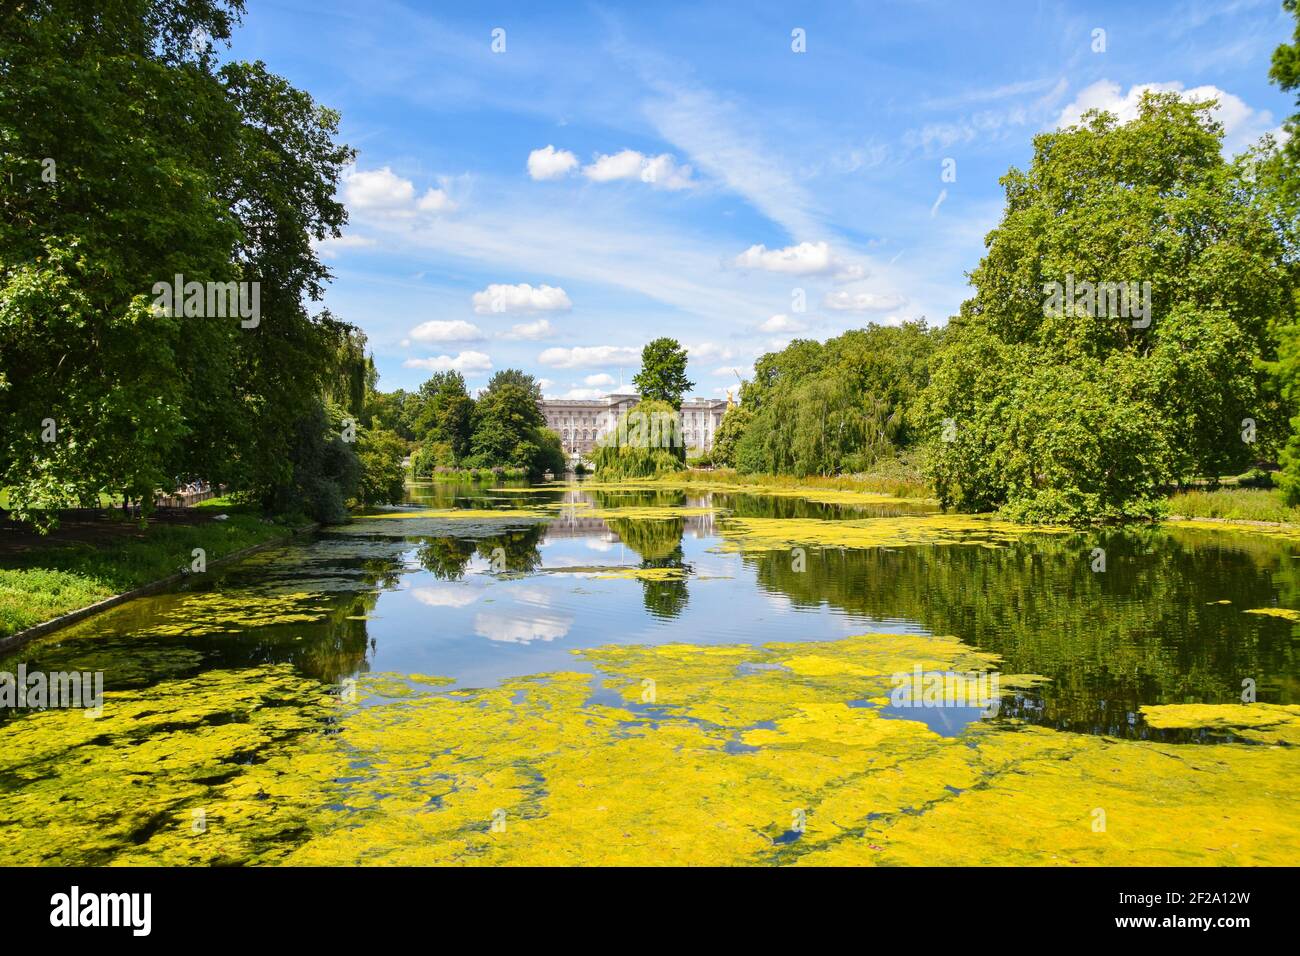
(480, 601)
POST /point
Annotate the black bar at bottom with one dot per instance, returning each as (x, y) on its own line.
(333, 906)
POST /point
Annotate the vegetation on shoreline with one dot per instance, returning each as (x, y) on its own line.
(1235, 504)
(57, 578)
(895, 483)
(645, 443)
(501, 432)
(473, 474)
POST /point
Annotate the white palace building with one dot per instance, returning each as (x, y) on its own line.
(581, 423)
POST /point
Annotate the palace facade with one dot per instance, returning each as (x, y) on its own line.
(581, 423)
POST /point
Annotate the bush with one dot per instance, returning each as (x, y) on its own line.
(1067, 443)
(383, 482)
(432, 456)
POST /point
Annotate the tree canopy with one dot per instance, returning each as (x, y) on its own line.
(130, 162)
(1085, 409)
(663, 372)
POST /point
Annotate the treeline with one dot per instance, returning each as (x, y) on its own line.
(503, 428)
(1133, 327)
(135, 166)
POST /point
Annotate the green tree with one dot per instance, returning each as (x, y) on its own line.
(444, 414)
(1054, 400)
(514, 376)
(646, 441)
(733, 425)
(508, 428)
(382, 480)
(226, 176)
(840, 406)
(1278, 173)
(101, 200)
(663, 372)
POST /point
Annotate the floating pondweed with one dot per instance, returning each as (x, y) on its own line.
(404, 690)
(710, 753)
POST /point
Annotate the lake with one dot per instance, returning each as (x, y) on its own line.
(645, 674)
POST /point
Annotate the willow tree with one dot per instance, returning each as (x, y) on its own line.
(646, 441)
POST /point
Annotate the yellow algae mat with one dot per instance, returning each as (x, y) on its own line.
(701, 755)
(767, 534)
(829, 496)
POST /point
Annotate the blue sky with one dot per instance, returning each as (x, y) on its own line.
(703, 180)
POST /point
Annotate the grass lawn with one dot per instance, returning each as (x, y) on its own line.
(58, 575)
(1237, 504)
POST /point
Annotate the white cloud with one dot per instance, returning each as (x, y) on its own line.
(660, 171)
(469, 361)
(330, 248)
(585, 393)
(845, 301)
(444, 595)
(455, 331)
(805, 259)
(382, 193)
(708, 352)
(507, 628)
(590, 356)
(1241, 124)
(989, 124)
(435, 201)
(520, 298)
(782, 323)
(377, 189)
(531, 331)
(550, 163)
(545, 384)
(599, 380)
(624, 165)
(725, 139)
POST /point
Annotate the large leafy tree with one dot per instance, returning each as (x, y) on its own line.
(509, 427)
(514, 376)
(732, 428)
(282, 183)
(1074, 412)
(445, 414)
(663, 372)
(128, 158)
(646, 441)
(112, 137)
